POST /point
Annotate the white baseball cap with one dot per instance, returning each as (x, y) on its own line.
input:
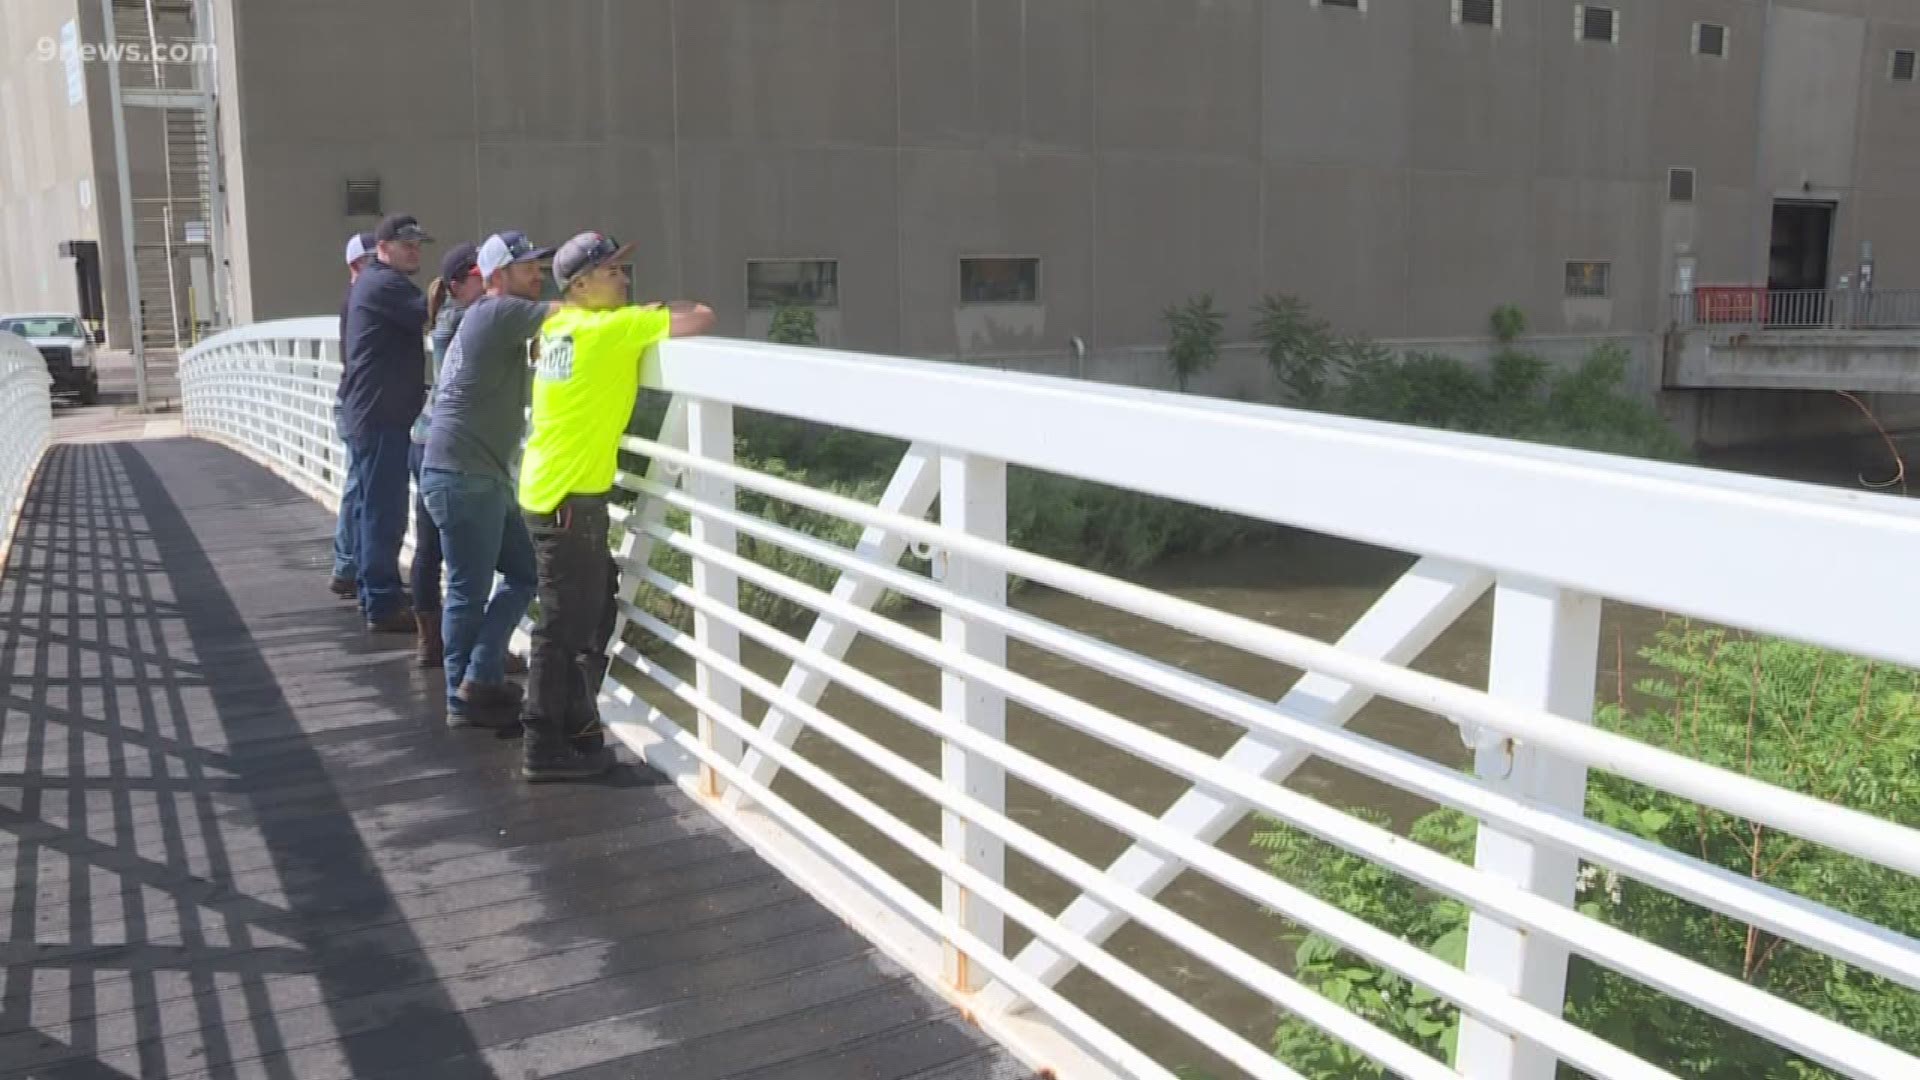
(359, 246)
(506, 248)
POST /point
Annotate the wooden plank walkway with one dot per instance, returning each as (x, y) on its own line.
(237, 840)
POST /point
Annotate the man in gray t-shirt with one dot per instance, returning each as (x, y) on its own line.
(467, 481)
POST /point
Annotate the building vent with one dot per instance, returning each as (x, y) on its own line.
(1592, 23)
(1680, 185)
(363, 198)
(1477, 12)
(1589, 280)
(1354, 5)
(1903, 65)
(1710, 39)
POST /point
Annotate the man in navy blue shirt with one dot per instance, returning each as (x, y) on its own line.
(381, 392)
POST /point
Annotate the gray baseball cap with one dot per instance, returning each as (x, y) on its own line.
(585, 253)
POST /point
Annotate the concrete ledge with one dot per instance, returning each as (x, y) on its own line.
(1875, 361)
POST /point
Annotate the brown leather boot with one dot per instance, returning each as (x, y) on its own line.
(431, 651)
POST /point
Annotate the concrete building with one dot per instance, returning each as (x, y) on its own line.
(61, 205)
(992, 179)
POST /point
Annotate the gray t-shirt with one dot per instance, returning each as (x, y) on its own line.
(480, 403)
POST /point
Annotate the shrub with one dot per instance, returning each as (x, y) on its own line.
(1834, 727)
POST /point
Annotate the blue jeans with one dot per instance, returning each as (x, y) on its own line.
(481, 531)
(380, 453)
(426, 542)
(346, 529)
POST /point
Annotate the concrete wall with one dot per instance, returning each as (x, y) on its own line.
(1403, 174)
(48, 188)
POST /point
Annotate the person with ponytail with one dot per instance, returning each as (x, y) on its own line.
(448, 296)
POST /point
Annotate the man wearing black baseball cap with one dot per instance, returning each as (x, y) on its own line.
(381, 392)
(346, 529)
(467, 480)
(584, 389)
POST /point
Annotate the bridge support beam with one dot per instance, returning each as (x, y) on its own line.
(1546, 644)
(1406, 619)
(710, 435)
(910, 493)
(973, 500)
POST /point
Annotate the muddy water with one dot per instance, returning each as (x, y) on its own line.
(1311, 584)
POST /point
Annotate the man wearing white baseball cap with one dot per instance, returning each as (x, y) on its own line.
(345, 582)
(467, 481)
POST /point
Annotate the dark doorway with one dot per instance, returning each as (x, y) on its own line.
(86, 284)
(1797, 263)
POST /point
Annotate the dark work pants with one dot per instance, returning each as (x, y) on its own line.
(577, 581)
(425, 576)
(380, 452)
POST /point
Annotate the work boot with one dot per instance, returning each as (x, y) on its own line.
(397, 621)
(345, 588)
(431, 652)
(491, 696)
(547, 762)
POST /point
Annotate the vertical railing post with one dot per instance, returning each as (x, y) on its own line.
(1546, 644)
(710, 436)
(973, 500)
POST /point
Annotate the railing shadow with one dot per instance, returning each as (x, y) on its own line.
(177, 852)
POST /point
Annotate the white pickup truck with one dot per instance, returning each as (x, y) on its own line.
(63, 340)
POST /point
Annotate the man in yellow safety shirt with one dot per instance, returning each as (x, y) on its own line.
(584, 387)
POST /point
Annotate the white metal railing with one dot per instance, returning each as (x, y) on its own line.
(1754, 308)
(26, 424)
(1548, 532)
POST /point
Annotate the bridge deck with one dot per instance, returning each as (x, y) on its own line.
(236, 840)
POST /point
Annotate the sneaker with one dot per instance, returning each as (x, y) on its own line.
(399, 621)
(345, 588)
(549, 764)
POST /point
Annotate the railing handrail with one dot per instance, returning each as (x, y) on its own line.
(1551, 530)
(1570, 517)
(26, 418)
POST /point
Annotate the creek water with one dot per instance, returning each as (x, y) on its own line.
(1308, 583)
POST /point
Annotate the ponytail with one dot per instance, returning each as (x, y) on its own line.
(436, 299)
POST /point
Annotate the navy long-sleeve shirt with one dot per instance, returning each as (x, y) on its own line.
(383, 344)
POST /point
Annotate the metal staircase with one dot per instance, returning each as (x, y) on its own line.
(173, 189)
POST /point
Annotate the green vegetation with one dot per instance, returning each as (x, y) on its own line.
(1516, 395)
(793, 325)
(1834, 727)
(1196, 330)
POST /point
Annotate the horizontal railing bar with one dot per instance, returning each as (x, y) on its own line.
(1512, 1014)
(1570, 517)
(1837, 827)
(1858, 942)
(1209, 1031)
(1079, 1024)
(1812, 1035)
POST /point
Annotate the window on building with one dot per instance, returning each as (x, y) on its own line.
(775, 283)
(1477, 12)
(1903, 65)
(1351, 5)
(363, 198)
(1594, 23)
(1589, 280)
(1710, 39)
(1680, 185)
(1000, 280)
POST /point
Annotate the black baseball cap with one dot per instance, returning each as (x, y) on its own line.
(460, 261)
(585, 253)
(401, 227)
